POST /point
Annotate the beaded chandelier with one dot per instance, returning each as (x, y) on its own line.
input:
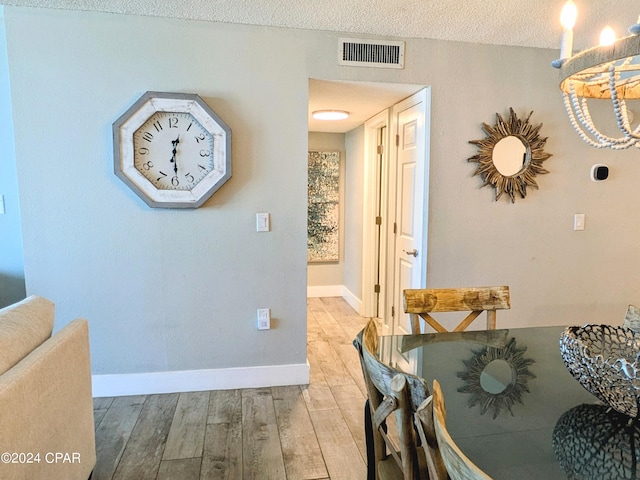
(609, 71)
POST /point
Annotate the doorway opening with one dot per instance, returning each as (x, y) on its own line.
(358, 276)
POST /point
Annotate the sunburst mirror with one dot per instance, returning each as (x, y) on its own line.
(511, 155)
(496, 377)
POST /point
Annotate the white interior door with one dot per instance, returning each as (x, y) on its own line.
(409, 230)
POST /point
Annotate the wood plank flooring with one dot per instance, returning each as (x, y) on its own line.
(310, 432)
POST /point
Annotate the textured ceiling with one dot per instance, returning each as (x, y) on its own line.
(531, 23)
(527, 23)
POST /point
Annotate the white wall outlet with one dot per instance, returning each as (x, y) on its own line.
(264, 319)
(578, 221)
(263, 222)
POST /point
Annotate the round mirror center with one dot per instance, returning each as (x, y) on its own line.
(510, 155)
(496, 377)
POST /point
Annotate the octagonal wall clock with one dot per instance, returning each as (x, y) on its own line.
(172, 150)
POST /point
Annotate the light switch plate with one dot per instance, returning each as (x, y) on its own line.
(1, 204)
(578, 221)
(263, 222)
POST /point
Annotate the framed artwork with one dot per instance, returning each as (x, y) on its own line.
(323, 207)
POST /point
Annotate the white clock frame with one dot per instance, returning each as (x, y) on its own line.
(123, 149)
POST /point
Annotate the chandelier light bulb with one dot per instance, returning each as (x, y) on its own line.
(568, 20)
(568, 15)
(607, 37)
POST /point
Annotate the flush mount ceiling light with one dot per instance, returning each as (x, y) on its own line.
(330, 114)
(609, 71)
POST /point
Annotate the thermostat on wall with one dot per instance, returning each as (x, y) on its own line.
(599, 172)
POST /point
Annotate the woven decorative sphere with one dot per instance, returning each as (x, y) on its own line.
(596, 442)
(604, 359)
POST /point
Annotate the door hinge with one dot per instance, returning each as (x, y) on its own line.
(397, 140)
(395, 228)
(380, 149)
(378, 220)
(393, 312)
(376, 289)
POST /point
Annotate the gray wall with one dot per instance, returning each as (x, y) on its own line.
(171, 290)
(12, 286)
(164, 290)
(353, 213)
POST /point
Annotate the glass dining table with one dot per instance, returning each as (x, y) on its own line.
(515, 410)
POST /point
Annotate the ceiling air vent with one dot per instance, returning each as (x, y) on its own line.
(365, 53)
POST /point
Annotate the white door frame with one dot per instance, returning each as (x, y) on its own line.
(374, 191)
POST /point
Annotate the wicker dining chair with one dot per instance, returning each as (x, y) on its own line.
(632, 318)
(427, 433)
(459, 466)
(390, 454)
(421, 303)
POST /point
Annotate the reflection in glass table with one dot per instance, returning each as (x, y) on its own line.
(533, 419)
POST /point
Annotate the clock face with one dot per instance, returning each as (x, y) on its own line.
(172, 150)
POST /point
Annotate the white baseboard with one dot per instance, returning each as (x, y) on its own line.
(117, 385)
(352, 300)
(335, 291)
(324, 291)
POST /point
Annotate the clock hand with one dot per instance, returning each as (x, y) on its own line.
(173, 157)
